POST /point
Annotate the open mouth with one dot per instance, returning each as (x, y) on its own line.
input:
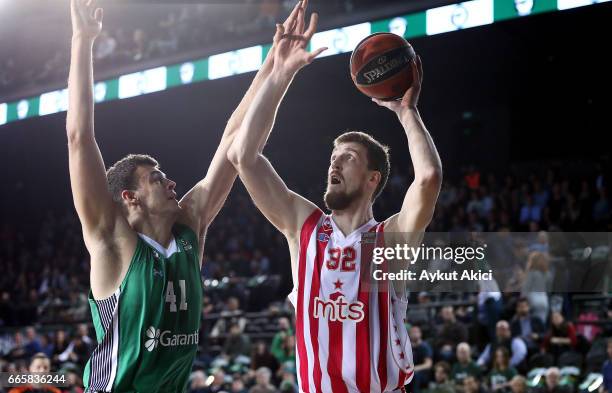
(335, 179)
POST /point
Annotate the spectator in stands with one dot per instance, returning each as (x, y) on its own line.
(73, 379)
(606, 370)
(78, 306)
(219, 383)
(83, 332)
(420, 315)
(501, 374)
(261, 357)
(552, 383)
(278, 341)
(529, 328)
(441, 383)
(288, 351)
(451, 333)
(238, 386)
(237, 343)
(77, 352)
(475, 204)
(518, 384)
(288, 382)
(232, 312)
(422, 356)
(197, 382)
(541, 243)
(538, 283)
(516, 346)
(40, 363)
(490, 303)
(530, 212)
(46, 345)
(464, 366)
(33, 346)
(262, 381)
(19, 351)
(472, 178)
(60, 344)
(561, 336)
(472, 384)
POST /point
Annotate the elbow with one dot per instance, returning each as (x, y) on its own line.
(239, 157)
(431, 178)
(74, 136)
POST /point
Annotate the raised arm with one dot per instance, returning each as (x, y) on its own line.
(420, 200)
(92, 200)
(282, 207)
(202, 203)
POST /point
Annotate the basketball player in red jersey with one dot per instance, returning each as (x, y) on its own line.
(348, 339)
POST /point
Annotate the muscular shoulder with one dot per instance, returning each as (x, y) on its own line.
(307, 219)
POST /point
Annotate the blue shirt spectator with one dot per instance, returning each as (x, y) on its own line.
(606, 370)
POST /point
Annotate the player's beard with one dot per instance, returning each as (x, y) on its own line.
(340, 200)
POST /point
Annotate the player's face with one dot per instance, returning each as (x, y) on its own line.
(347, 175)
(156, 191)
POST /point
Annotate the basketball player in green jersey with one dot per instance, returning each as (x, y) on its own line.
(146, 247)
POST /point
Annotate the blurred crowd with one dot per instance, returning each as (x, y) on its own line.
(131, 37)
(507, 339)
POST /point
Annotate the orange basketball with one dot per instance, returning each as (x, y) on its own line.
(381, 66)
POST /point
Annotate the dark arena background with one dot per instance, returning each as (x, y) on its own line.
(519, 108)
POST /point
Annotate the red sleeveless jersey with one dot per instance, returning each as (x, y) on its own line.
(348, 339)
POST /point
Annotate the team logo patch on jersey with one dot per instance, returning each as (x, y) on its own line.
(326, 226)
(152, 338)
(156, 338)
(158, 273)
(323, 237)
(186, 245)
(338, 309)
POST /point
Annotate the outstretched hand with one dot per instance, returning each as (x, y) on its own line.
(86, 18)
(410, 99)
(291, 41)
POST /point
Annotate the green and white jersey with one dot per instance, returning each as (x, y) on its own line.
(147, 331)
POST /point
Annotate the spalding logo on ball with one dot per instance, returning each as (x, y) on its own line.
(381, 66)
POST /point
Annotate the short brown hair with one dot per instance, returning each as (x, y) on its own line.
(121, 175)
(377, 154)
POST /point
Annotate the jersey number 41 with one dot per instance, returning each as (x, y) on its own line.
(171, 297)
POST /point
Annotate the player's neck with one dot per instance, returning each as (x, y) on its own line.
(352, 217)
(158, 228)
